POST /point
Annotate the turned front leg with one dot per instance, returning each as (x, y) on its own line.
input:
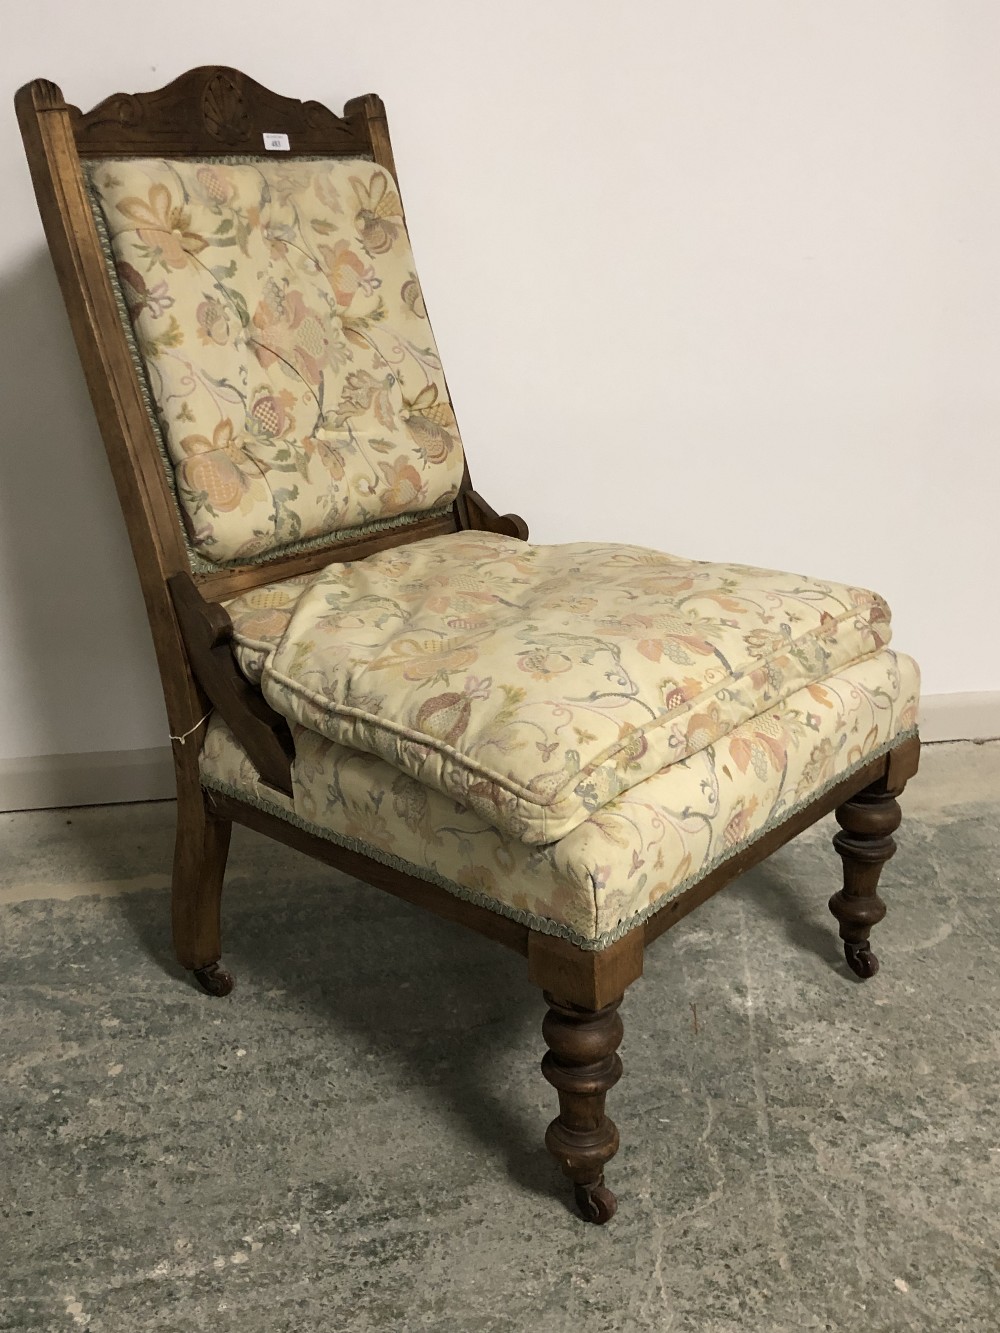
(867, 822)
(582, 1063)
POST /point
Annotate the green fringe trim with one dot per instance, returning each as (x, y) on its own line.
(326, 541)
(230, 159)
(539, 923)
(199, 564)
(544, 925)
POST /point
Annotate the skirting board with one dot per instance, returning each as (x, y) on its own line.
(103, 777)
(960, 717)
(108, 777)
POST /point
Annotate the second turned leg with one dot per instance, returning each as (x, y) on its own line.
(865, 842)
(582, 1063)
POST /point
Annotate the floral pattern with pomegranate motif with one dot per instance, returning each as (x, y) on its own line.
(626, 859)
(536, 683)
(294, 374)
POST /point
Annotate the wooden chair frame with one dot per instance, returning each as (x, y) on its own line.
(216, 111)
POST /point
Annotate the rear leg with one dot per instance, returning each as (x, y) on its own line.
(200, 854)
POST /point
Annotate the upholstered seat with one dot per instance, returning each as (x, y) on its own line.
(720, 699)
(564, 748)
(624, 861)
(535, 683)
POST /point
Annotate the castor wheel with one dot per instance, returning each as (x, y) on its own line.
(860, 959)
(214, 978)
(596, 1203)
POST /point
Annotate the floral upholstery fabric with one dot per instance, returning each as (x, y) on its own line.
(260, 618)
(536, 683)
(623, 861)
(278, 313)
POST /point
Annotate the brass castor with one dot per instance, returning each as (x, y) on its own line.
(860, 959)
(214, 978)
(596, 1203)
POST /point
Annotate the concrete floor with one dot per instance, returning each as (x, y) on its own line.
(352, 1140)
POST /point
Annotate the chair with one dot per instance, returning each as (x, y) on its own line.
(566, 748)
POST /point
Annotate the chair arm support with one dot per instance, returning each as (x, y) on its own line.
(207, 632)
(475, 514)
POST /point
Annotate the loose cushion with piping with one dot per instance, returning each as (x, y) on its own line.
(536, 683)
(623, 861)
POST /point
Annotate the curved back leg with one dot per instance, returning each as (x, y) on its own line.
(200, 854)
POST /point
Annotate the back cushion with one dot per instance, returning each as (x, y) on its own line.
(290, 363)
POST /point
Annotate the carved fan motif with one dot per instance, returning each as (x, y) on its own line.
(222, 105)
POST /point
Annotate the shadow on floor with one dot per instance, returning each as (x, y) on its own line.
(452, 1011)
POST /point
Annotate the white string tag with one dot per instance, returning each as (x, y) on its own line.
(181, 739)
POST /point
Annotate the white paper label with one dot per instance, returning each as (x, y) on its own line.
(276, 143)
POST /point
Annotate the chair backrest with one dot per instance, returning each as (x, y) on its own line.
(277, 322)
(238, 276)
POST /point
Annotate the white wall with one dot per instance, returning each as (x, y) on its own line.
(719, 277)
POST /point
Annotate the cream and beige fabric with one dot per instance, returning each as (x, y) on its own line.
(628, 858)
(534, 684)
(569, 735)
(260, 618)
(290, 363)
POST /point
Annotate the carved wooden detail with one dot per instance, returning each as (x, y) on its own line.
(212, 110)
(225, 111)
(121, 112)
(46, 94)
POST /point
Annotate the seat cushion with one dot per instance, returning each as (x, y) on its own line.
(260, 618)
(536, 683)
(622, 862)
(277, 314)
